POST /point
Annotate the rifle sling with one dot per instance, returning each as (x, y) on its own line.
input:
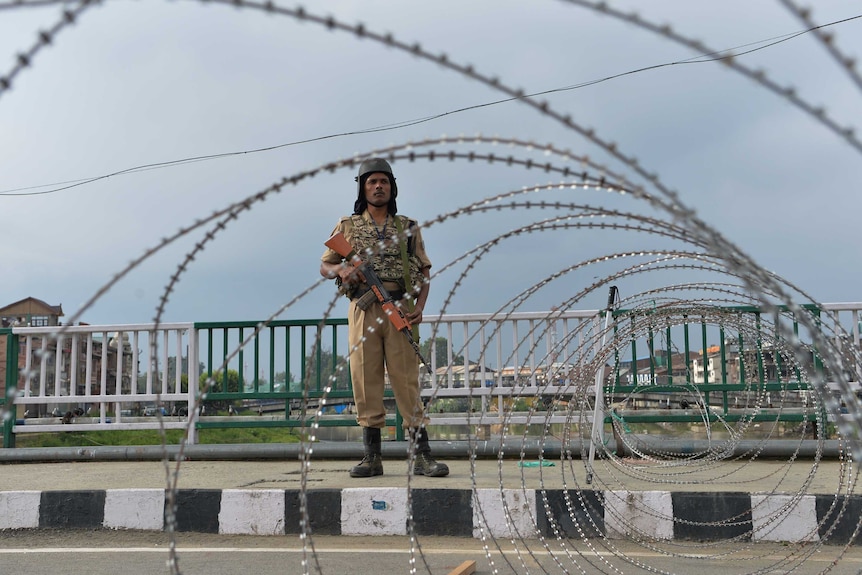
(405, 264)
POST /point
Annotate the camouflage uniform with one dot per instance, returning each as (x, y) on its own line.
(383, 344)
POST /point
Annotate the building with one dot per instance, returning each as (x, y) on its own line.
(30, 312)
(26, 312)
(460, 375)
(74, 369)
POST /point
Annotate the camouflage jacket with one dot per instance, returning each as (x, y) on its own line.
(384, 256)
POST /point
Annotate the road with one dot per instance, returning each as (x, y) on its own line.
(139, 553)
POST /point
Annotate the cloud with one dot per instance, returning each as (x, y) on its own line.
(136, 84)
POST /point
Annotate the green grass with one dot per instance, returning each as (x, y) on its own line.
(152, 437)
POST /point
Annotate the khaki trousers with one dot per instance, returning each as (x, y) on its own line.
(378, 348)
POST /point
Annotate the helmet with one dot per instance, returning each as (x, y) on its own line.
(372, 166)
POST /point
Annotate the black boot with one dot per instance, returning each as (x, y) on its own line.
(372, 463)
(424, 464)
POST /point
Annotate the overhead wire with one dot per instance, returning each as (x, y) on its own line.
(701, 59)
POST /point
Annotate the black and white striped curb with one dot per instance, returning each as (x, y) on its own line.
(449, 512)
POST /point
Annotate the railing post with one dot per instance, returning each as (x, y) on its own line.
(193, 381)
(11, 388)
(399, 426)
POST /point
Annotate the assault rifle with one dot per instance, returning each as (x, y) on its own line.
(339, 244)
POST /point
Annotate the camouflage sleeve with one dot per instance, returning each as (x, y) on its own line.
(420, 254)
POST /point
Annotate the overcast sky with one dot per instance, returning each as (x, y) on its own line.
(143, 83)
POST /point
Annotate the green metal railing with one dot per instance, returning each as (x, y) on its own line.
(256, 365)
(10, 387)
(311, 350)
(681, 381)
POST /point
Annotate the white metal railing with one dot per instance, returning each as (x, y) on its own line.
(514, 355)
(846, 314)
(97, 377)
(103, 375)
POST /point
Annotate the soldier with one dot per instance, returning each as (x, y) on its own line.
(402, 265)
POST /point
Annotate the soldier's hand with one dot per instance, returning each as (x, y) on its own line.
(414, 316)
(350, 275)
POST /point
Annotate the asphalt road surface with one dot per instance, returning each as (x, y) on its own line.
(42, 552)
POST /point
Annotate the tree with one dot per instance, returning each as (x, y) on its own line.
(441, 353)
(327, 369)
(172, 364)
(172, 367)
(218, 383)
(218, 386)
(282, 381)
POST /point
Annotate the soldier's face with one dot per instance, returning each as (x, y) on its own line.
(378, 190)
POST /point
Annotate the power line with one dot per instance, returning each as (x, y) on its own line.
(701, 59)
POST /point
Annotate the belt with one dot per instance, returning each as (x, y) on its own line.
(394, 290)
